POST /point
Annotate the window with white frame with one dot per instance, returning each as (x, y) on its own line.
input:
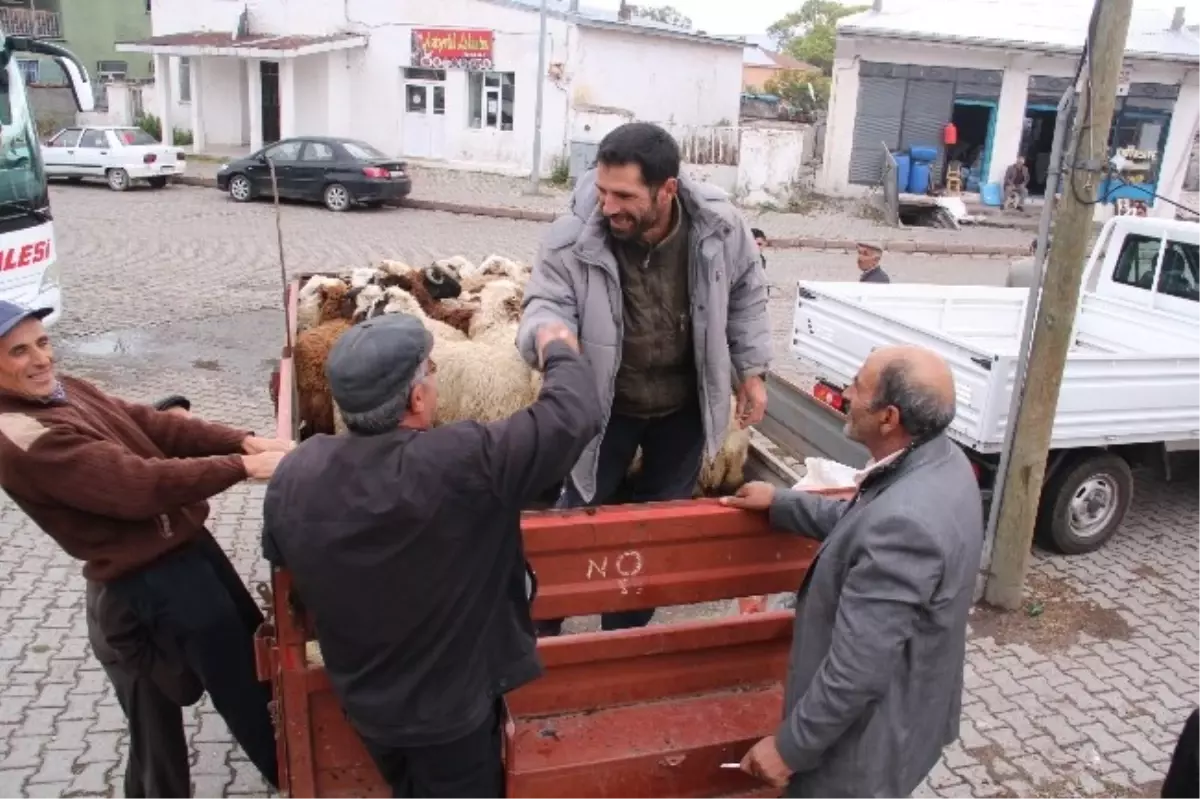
(30, 69)
(185, 79)
(490, 100)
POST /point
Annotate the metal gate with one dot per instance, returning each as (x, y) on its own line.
(876, 126)
(928, 106)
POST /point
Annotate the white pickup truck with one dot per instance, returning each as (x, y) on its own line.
(1130, 390)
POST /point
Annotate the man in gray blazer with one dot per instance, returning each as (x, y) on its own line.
(874, 686)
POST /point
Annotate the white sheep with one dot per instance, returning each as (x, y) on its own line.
(364, 276)
(499, 306)
(308, 304)
(481, 381)
(400, 301)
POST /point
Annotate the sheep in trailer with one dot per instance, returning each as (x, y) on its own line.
(316, 409)
(308, 304)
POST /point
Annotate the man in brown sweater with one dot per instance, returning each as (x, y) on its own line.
(124, 488)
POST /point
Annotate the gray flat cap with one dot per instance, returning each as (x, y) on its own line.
(374, 360)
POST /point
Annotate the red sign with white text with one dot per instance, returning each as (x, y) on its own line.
(440, 48)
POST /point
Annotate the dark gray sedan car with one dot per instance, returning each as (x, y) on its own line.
(340, 173)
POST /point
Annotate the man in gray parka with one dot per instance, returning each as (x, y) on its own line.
(874, 685)
(661, 281)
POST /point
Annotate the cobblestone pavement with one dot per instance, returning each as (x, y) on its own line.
(178, 291)
(834, 220)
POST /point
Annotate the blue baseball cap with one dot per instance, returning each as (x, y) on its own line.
(12, 315)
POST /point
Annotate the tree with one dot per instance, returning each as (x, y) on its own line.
(792, 86)
(667, 15)
(810, 33)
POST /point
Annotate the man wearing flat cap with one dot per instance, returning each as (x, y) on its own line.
(404, 541)
(869, 256)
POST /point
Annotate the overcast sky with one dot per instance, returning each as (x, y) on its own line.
(754, 16)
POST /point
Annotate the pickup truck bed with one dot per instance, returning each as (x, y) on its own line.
(1132, 376)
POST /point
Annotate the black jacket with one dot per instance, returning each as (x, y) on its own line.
(406, 549)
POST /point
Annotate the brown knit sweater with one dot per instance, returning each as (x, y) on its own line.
(117, 485)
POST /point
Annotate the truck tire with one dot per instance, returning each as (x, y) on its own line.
(1084, 503)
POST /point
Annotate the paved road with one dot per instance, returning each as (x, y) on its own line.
(179, 291)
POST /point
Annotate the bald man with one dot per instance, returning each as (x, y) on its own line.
(874, 686)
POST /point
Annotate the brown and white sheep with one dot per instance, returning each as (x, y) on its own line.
(316, 408)
(308, 304)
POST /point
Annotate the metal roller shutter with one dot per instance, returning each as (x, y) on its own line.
(928, 106)
(876, 123)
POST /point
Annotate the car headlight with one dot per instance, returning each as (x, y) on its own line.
(51, 278)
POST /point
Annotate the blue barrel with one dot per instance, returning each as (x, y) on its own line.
(992, 194)
(923, 154)
(903, 166)
(918, 178)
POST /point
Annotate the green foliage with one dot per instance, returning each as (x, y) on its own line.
(792, 86)
(810, 33)
(668, 15)
(153, 125)
(560, 174)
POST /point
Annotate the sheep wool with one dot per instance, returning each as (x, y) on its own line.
(400, 301)
(308, 303)
(480, 381)
(722, 474)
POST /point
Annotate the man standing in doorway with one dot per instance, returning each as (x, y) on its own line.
(660, 279)
(869, 257)
(1016, 184)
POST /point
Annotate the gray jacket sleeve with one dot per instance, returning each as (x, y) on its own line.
(549, 294)
(892, 578)
(749, 327)
(806, 513)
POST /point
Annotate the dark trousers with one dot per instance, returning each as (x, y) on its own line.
(196, 594)
(158, 751)
(471, 766)
(152, 685)
(672, 454)
(1183, 775)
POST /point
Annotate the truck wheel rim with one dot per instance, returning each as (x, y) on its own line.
(239, 188)
(336, 197)
(1093, 505)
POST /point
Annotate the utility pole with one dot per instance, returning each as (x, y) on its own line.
(535, 177)
(1022, 486)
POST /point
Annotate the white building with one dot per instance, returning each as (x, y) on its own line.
(453, 80)
(997, 68)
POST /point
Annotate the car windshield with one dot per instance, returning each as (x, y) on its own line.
(362, 150)
(134, 136)
(22, 175)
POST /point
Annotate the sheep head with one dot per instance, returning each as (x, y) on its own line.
(442, 283)
(400, 301)
(363, 276)
(367, 302)
(457, 265)
(333, 298)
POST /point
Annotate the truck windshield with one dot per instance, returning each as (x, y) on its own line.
(23, 197)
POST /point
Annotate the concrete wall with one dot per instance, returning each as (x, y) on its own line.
(53, 108)
(662, 80)
(91, 29)
(770, 163)
(1017, 67)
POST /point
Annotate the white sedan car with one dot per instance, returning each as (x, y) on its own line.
(118, 155)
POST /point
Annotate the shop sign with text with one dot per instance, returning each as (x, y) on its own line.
(439, 48)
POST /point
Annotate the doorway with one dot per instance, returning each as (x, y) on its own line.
(976, 124)
(269, 74)
(1037, 137)
(424, 118)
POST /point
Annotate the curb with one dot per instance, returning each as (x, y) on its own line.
(803, 242)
